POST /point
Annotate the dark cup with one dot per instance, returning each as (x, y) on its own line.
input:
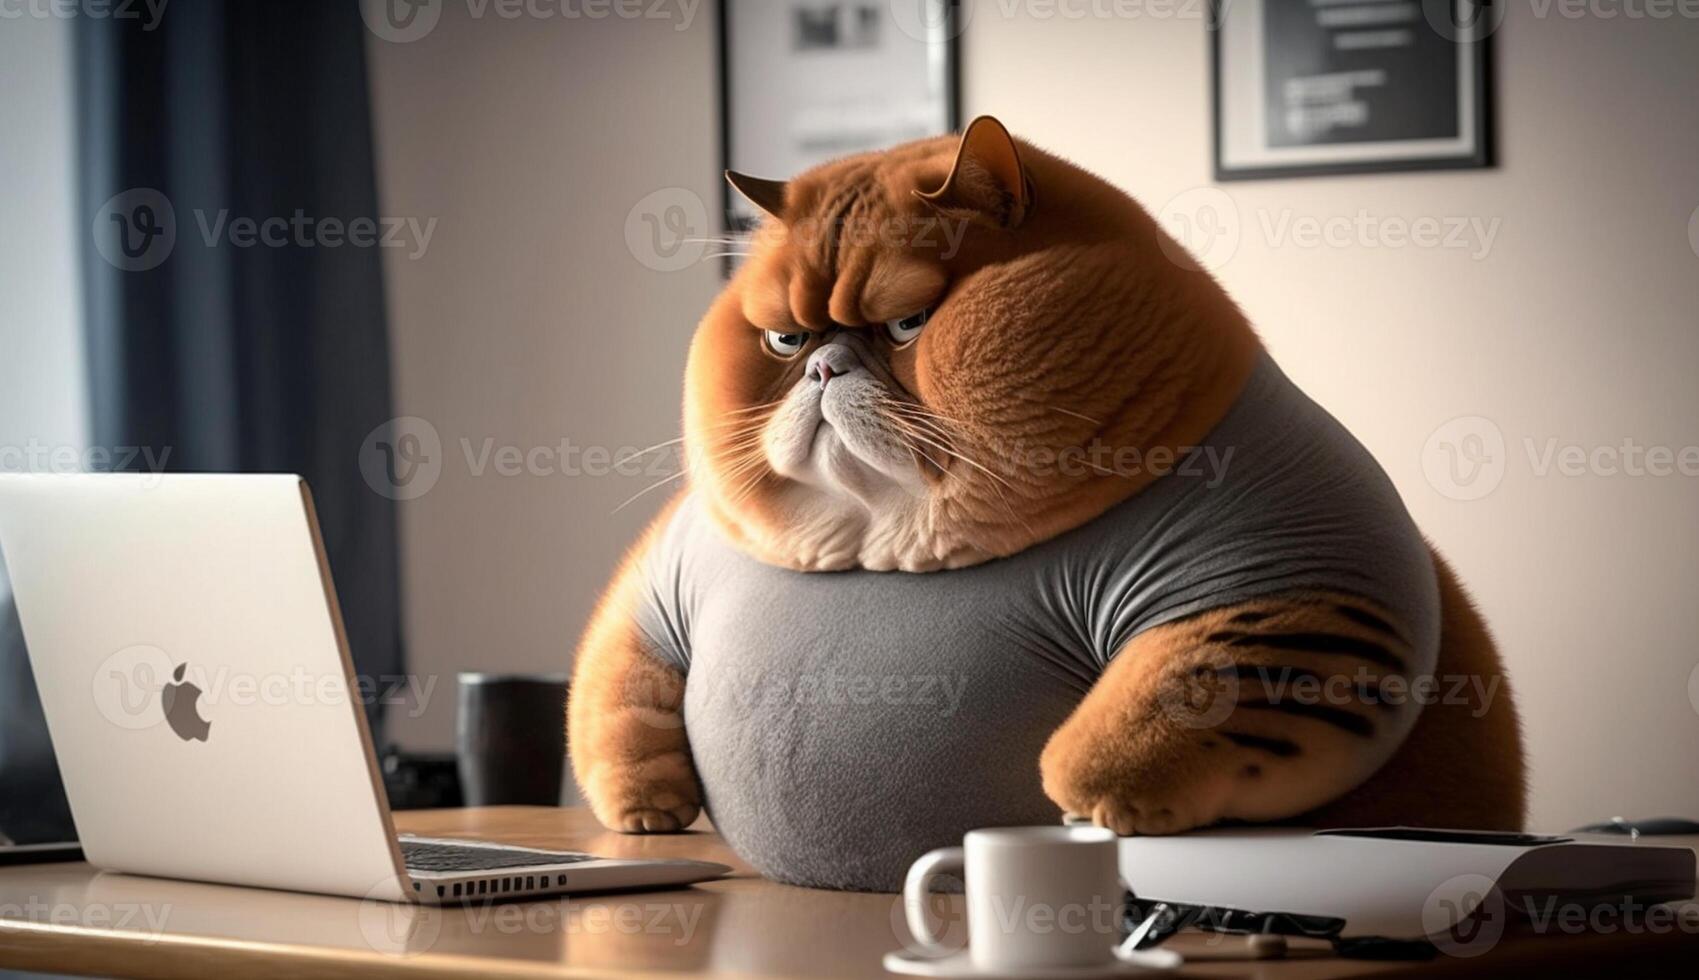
(511, 738)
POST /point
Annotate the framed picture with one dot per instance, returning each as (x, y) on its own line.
(1311, 87)
(806, 81)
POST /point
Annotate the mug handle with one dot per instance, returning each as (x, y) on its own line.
(916, 888)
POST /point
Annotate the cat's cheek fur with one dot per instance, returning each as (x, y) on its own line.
(788, 437)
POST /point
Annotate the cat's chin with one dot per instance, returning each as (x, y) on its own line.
(825, 533)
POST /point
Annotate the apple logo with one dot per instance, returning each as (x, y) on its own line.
(180, 710)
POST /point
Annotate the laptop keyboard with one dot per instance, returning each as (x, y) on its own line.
(421, 855)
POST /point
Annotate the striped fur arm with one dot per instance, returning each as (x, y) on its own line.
(1255, 712)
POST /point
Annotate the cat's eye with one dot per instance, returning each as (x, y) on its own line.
(785, 344)
(904, 330)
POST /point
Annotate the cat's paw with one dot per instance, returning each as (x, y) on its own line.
(659, 795)
(1129, 815)
(668, 816)
(1149, 788)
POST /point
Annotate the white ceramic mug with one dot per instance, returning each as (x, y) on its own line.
(1037, 897)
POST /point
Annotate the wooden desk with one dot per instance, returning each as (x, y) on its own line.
(69, 918)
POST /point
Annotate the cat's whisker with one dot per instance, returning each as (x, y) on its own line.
(742, 425)
(909, 408)
(1077, 415)
(911, 447)
(1001, 497)
(763, 407)
(966, 459)
(761, 474)
(653, 486)
(743, 438)
(644, 452)
(742, 464)
(741, 460)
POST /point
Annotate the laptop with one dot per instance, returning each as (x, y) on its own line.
(198, 688)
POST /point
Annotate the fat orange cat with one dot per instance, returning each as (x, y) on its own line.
(997, 508)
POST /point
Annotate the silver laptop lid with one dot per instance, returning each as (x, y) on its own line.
(186, 640)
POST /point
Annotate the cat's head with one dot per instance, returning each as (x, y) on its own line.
(947, 352)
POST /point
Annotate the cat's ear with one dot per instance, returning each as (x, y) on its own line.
(987, 182)
(768, 195)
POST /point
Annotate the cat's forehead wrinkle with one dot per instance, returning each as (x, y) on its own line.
(846, 307)
(897, 286)
(842, 260)
(766, 301)
(811, 297)
(827, 233)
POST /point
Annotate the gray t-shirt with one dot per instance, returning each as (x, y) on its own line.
(843, 723)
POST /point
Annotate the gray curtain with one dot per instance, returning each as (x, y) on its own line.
(227, 357)
(210, 354)
(243, 356)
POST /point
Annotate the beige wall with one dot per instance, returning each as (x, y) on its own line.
(529, 320)
(1580, 323)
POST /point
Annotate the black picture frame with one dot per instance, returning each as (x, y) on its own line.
(952, 98)
(1477, 60)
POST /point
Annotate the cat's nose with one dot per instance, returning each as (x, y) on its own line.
(831, 361)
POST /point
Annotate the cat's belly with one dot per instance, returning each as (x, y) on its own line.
(837, 748)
